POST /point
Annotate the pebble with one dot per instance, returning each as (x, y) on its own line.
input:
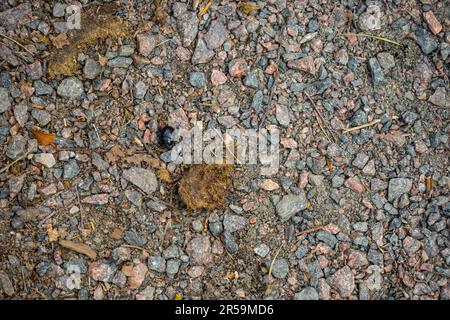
(440, 98)
(354, 184)
(71, 169)
(34, 70)
(5, 100)
(133, 238)
(146, 43)
(433, 23)
(199, 250)
(70, 88)
(229, 241)
(216, 35)
(21, 113)
(157, 263)
(290, 205)
(397, 187)
(140, 89)
(386, 60)
(197, 79)
(343, 281)
(91, 69)
(238, 67)
(301, 251)
(218, 77)
(282, 114)
(102, 271)
(187, 26)
(257, 101)
(280, 268)
(426, 41)
(201, 53)
(251, 80)
(376, 71)
(41, 89)
(137, 276)
(173, 265)
(371, 19)
(59, 10)
(262, 250)
(308, 293)
(144, 179)
(41, 116)
(6, 284)
(47, 159)
(120, 62)
(233, 222)
(216, 228)
(16, 147)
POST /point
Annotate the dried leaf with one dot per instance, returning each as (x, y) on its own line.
(114, 154)
(102, 60)
(138, 159)
(206, 8)
(53, 234)
(429, 184)
(164, 175)
(60, 40)
(79, 247)
(43, 138)
(248, 8)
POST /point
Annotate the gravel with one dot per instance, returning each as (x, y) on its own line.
(70, 88)
(290, 205)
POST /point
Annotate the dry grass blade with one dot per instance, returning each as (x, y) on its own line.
(374, 122)
(14, 162)
(269, 286)
(322, 120)
(205, 8)
(375, 37)
(20, 45)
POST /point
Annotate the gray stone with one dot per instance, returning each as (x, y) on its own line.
(140, 89)
(301, 251)
(47, 159)
(6, 284)
(251, 80)
(42, 267)
(144, 179)
(197, 79)
(16, 147)
(386, 60)
(21, 113)
(157, 263)
(91, 69)
(216, 228)
(371, 19)
(5, 100)
(290, 205)
(282, 114)
(71, 169)
(229, 241)
(280, 268)
(201, 53)
(233, 222)
(308, 293)
(397, 187)
(187, 26)
(216, 35)
(41, 88)
(59, 10)
(135, 197)
(41, 116)
(426, 41)
(173, 265)
(327, 237)
(262, 250)
(257, 102)
(120, 62)
(70, 88)
(131, 237)
(376, 71)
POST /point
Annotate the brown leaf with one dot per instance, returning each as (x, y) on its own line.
(138, 159)
(114, 154)
(53, 234)
(79, 247)
(60, 40)
(43, 138)
(102, 60)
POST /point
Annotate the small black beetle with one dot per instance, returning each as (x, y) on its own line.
(166, 138)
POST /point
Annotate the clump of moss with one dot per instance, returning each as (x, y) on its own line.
(205, 186)
(97, 22)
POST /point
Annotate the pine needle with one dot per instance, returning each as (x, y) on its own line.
(374, 37)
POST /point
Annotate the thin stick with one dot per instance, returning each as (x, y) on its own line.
(269, 285)
(134, 247)
(47, 217)
(320, 116)
(313, 229)
(14, 162)
(81, 224)
(20, 45)
(373, 37)
(366, 125)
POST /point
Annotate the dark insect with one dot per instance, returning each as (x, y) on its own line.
(166, 137)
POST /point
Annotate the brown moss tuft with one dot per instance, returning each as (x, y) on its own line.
(97, 22)
(205, 186)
